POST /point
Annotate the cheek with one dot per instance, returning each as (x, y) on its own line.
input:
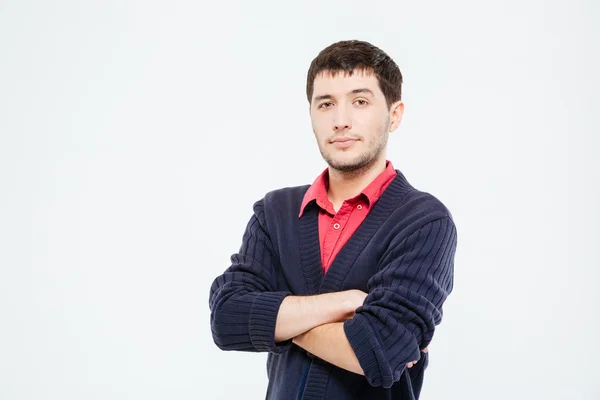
(365, 119)
(374, 125)
(320, 129)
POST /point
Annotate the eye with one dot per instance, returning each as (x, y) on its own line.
(361, 102)
(325, 105)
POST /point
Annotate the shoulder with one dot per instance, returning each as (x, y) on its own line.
(416, 205)
(279, 201)
(425, 205)
(420, 217)
(288, 197)
(416, 209)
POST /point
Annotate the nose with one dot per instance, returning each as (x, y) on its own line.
(341, 120)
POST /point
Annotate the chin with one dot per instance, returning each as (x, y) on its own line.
(347, 164)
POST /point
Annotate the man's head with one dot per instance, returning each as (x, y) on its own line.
(354, 91)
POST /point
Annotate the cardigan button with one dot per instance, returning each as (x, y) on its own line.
(336, 226)
(359, 206)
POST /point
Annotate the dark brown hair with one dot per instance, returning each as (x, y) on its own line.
(355, 55)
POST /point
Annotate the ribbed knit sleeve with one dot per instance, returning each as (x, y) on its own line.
(404, 302)
(243, 302)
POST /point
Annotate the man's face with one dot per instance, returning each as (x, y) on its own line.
(350, 119)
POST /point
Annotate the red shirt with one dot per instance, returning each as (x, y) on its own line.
(335, 229)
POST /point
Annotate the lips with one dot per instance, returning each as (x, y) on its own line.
(343, 143)
(343, 140)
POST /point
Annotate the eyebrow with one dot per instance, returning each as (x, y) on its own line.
(355, 91)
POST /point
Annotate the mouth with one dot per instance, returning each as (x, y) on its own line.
(343, 143)
(343, 139)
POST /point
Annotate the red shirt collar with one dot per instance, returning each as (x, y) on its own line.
(318, 190)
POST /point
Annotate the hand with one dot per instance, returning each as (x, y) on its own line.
(353, 299)
(410, 364)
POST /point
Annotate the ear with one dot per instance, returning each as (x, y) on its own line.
(396, 113)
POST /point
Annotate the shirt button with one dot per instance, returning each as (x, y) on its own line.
(336, 226)
(359, 206)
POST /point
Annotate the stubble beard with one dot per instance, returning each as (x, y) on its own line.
(364, 160)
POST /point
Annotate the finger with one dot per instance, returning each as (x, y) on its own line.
(425, 350)
(409, 365)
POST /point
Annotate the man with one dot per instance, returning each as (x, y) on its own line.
(342, 282)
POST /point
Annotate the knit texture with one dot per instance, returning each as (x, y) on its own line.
(402, 255)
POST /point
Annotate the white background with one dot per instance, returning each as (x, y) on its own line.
(135, 137)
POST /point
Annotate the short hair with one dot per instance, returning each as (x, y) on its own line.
(355, 55)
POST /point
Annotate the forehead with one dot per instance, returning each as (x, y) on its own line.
(339, 83)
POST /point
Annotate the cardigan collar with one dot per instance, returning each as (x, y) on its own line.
(318, 190)
(310, 253)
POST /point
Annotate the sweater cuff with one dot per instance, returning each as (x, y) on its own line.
(368, 352)
(263, 316)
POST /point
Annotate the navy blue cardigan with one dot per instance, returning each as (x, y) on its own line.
(402, 255)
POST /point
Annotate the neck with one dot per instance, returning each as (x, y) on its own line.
(346, 185)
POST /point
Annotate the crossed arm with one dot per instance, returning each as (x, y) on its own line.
(376, 334)
(315, 323)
